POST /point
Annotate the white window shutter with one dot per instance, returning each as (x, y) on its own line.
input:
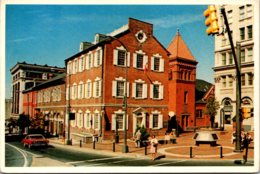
(134, 60)
(160, 121)
(86, 89)
(90, 90)
(152, 64)
(151, 121)
(128, 89)
(151, 91)
(87, 60)
(128, 59)
(161, 92)
(100, 87)
(92, 61)
(115, 57)
(95, 59)
(94, 89)
(127, 122)
(99, 122)
(144, 90)
(101, 56)
(145, 60)
(113, 121)
(114, 84)
(72, 92)
(133, 90)
(78, 91)
(161, 65)
(134, 122)
(67, 93)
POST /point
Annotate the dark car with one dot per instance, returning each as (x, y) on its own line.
(35, 140)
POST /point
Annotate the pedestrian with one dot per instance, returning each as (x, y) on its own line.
(153, 149)
(138, 138)
(233, 137)
(166, 138)
(246, 139)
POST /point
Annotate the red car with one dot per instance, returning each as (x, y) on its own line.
(35, 140)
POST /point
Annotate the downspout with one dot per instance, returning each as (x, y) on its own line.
(102, 107)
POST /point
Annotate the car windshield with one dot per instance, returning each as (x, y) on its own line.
(37, 137)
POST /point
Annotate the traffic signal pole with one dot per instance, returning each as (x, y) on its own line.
(238, 82)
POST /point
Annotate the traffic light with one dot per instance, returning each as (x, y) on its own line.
(247, 112)
(211, 20)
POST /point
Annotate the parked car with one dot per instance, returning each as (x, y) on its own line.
(35, 140)
(205, 137)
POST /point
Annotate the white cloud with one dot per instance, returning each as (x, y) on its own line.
(175, 20)
(21, 40)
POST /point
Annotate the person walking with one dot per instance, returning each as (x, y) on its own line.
(153, 149)
(138, 138)
(246, 139)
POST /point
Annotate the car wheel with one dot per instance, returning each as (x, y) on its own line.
(24, 145)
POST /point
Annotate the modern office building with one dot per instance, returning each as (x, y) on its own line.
(241, 23)
(25, 76)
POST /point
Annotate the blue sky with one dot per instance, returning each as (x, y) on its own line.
(48, 34)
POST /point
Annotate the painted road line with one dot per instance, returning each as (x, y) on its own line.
(125, 161)
(173, 162)
(23, 154)
(93, 160)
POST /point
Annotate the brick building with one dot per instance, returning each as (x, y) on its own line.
(47, 100)
(204, 91)
(182, 78)
(128, 62)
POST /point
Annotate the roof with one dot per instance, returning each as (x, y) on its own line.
(179, 49)
(202, 87)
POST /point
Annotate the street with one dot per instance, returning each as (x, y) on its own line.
(60, 155)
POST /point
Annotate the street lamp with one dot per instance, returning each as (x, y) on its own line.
(124, 147)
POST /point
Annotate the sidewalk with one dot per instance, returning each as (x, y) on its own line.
(181, 150)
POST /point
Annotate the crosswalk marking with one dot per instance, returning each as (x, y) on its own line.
(99, 159)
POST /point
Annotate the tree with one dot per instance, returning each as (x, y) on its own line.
(37, 123)
(23, 122)
(212, 106)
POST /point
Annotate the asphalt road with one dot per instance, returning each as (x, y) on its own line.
(79, 158)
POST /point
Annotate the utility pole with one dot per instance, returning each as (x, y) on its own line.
(68, 142)
(238, 82)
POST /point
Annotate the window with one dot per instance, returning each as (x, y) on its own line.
(249, 10)
(242, 56)
(88, 89)
(250, 54)
(229, 16)
(121, 58)
(199, 113)
(81, 90)
(224, 81)
(185, 97)
(155, 120)
(139, 89)
(97, 88)
(250, 78)
(224, 61)
(120, 88)
(242, 12)
(96, 121)
(75, 66)
(230, 58)
(139, 61)
(250, 32)
(98, 57)
(223, 41)
(156, 91)
(120, 119)
(242, 33)
(243, 80)
(87, 120)
(80, 119)
(89, 60)
(81, 64)
(230, 81)
(157, 63)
